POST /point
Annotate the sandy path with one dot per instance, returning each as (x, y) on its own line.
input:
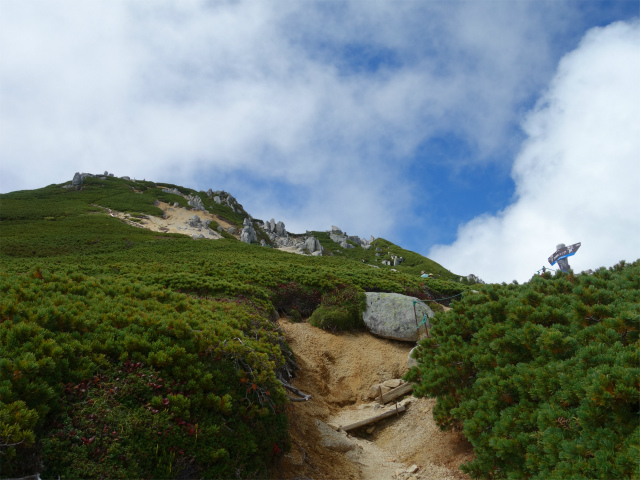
(337, 370)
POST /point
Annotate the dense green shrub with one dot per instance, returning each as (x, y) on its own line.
(340, 310)
(544, 377)
(413, 262)
(125, 353)
(118, 379)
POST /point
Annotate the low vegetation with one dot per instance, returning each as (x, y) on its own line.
(542, 378)
(125, 353)
(340, 310)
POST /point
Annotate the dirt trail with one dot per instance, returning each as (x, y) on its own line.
(337, 370)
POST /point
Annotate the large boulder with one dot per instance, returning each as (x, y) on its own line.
(391, 315)
(248, 234)
(313, 245)
(77, 179)
(338, 238)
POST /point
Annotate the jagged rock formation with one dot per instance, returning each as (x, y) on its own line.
(277, 233)
(223, 198)
(248, 234)
(202, 226)
(394, 262)
(78, 178)
(391, 315)
(342, 239)
(279, 237)
(195, 202)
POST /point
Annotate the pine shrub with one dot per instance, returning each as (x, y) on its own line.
(340, 310)
(125, 353)
(542, 378)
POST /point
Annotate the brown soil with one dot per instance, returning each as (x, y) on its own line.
(337, 370)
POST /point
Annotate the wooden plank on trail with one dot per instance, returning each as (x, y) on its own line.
(396, 392)
(375, 419)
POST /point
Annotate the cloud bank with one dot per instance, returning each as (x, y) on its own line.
(314, 110)
(577, 175)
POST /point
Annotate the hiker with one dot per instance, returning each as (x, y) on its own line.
(424, 275)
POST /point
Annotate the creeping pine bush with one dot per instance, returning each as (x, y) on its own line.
(109, 378)
(125, 353)
(543, 378)
(340, 309)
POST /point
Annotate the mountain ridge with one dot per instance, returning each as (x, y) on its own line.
(129, 353)
(217, 214)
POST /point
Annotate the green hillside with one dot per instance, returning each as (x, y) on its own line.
(542, 378)
(126, 353)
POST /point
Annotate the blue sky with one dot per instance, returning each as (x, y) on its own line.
(480, 134)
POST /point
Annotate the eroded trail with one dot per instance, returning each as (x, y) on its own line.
(337, 370)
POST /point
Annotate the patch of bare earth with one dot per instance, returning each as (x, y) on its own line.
(176, 220)
(338, 370)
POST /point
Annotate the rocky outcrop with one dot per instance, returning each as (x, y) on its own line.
(394, 262)
(194, 221)
(248, 234)
(278, 234)
(223, 198)
(312, 244)
(195, 202)
(77, 179)
(348, 241)
(202, 226)
(391, 315)
(338, 238)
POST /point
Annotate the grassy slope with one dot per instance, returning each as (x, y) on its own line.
(56, 240)
(413, 262)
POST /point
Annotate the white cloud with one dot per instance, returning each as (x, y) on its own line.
(577, 175)
(192, 92)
